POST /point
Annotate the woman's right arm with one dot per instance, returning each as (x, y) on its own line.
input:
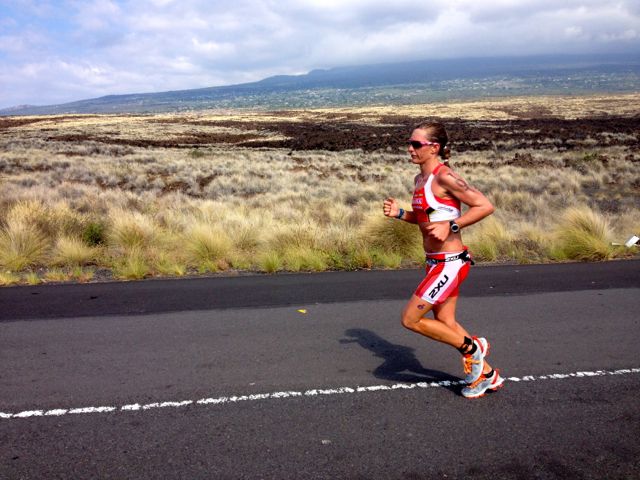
(390, 209)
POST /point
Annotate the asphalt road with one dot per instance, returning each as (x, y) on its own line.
(312, 376)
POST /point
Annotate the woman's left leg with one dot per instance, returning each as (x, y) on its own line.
(413, 319)
(445, 312)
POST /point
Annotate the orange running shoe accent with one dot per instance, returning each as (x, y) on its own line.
(474, 362)
(468, 363)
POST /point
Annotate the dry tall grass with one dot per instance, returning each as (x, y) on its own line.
(71, 206)
(583, 235)
(22, 245)
(71, 252)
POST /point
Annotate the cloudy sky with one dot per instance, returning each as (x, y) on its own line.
(65, 50)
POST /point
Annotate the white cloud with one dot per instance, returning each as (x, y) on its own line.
(37, 8)
(627, 35)
(573, 32)
(98, 14)
(19, 43)
(98, 47)
(213, 49)
(7, 22)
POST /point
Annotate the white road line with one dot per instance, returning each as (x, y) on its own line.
(308, 393)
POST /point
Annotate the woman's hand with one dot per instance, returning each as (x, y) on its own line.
(390, 207)
(438, 230)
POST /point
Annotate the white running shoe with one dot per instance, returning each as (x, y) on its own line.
(474, 364)
(480, 386)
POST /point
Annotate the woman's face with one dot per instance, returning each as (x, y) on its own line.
(421, 148)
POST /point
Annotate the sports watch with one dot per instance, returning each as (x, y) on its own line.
(455, 228)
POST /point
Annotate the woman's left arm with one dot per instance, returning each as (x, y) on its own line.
(479, 205)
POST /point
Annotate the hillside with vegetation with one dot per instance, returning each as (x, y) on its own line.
(95, 197)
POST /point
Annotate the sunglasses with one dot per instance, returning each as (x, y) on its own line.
(416, 144)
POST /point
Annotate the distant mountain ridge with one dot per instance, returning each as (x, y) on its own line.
(16, 108)
(404, 82)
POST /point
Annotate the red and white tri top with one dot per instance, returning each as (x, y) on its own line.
(429, 208)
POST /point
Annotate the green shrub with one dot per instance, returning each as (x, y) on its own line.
(93, 234)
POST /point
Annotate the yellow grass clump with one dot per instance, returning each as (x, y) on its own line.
(298, 234)
(269, 262)
(390, 235)
(490, 240)
(583, 234)
(132, 230)
(132, 266)
(386, 259)
(170, 265)
(21, 246)
(71, 251)
(82, 275)
(207, 247)
(532, 244)
(32, 278)
(56, 274)
(51, 220)
(9, 278)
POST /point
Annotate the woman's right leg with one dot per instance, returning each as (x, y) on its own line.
(446, 313)
(474, 350)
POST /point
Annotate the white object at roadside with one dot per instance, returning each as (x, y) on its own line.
(632, 241)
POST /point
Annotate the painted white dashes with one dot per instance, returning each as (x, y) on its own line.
(293, 394)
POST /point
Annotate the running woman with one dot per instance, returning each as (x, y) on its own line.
(436, 209)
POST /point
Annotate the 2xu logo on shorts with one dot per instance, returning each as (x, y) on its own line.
(438, 287)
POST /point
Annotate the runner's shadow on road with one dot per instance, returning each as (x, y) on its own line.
(400, 363)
